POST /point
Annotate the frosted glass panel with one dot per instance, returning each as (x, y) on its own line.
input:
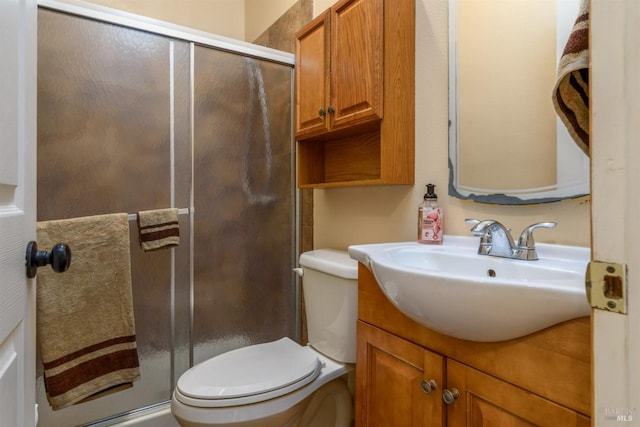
(103, 118)
(104, 147)
(244, 289)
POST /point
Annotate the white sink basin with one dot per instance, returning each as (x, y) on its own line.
(451, 289)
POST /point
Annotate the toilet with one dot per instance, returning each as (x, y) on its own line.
(282, 383)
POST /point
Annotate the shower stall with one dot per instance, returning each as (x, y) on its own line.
(137, 115)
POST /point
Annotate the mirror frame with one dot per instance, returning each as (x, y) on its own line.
(579, 186)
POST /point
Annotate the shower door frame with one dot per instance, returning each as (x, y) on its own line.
(155, 26)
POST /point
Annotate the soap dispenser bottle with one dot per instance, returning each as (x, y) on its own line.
(430, 219)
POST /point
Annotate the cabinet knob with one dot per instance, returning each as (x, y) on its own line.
(450, 395)
(331, 110)
(322, 113)
(428, 386)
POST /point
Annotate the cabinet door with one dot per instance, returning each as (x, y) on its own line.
(389, 382)
(312, 77)
(357, 33)
(486, 401)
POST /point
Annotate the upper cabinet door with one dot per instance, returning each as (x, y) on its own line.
(339, 68)
(312, 77)
(357, 62)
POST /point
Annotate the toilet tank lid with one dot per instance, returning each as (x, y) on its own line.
(330, 261)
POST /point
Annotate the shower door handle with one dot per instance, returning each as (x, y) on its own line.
(59, 258)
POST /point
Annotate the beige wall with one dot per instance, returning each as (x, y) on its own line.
(260, 14)
(382, 214)
(321, 5)
(238, 19)
(221, 17)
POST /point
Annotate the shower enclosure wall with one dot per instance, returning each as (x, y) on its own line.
(131, 119)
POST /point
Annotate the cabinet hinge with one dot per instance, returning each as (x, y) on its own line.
(606, 285)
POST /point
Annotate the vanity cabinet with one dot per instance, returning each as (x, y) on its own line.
(403, 369)
(355, 89)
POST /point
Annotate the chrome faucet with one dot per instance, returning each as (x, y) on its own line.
(496, 240)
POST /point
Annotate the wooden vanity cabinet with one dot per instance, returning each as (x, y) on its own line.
(540, 380)
(355, 91)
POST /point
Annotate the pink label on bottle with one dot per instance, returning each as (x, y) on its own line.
(431, 229)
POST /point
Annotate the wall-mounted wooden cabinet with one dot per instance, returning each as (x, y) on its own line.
(403, 371)
(339, 68)
(354, 110)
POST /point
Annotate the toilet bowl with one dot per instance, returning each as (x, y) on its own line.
(282, 383)
(268, 384)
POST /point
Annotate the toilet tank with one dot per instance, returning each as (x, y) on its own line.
(330, 288)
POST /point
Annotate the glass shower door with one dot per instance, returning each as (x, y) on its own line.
(244, 199)
(130, 120)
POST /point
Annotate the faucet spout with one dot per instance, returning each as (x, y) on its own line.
(495, 238)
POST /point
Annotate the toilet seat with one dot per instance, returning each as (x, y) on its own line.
(249, 375)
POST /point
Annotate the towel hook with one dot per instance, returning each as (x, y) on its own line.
(59, 258)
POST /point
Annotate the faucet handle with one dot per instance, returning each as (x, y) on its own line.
(480, 227)
(474, 230)
(526, 238)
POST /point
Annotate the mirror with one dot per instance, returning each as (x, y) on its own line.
(506, 144)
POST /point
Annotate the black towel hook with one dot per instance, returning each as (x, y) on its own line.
(59, 258)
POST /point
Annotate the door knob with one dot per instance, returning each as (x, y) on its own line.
(59, 258)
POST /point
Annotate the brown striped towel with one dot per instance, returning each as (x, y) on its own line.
(571, 93)
(85, 321)
(158, 229)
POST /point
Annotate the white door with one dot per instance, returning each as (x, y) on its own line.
(17, 210)
(615, 178)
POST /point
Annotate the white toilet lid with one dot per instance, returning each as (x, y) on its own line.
(269, 370)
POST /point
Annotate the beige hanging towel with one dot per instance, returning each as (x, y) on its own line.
(85, 320)
(571, 92)
(158, 229)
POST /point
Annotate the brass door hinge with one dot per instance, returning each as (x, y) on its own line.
(606, 285)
